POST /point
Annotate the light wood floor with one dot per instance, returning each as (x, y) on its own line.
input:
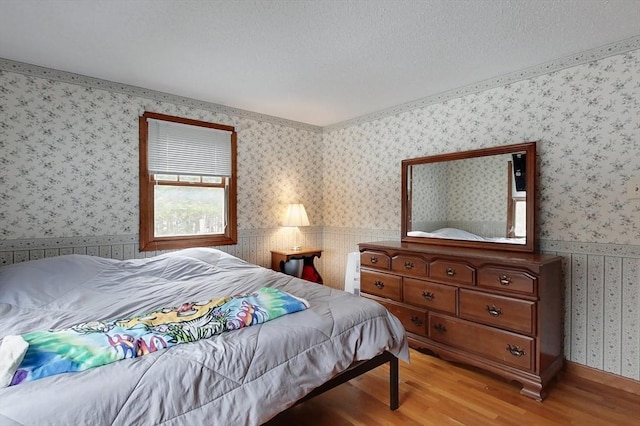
(436, 392)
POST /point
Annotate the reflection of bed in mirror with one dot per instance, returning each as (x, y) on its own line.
(459, 234)
(486, 195)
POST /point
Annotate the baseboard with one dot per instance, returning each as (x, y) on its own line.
(602, 377)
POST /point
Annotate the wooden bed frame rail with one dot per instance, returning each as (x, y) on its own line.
(362, 367)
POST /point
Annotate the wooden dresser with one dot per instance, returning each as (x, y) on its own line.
(497, 310)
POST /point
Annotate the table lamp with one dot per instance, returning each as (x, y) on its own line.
(296, 216)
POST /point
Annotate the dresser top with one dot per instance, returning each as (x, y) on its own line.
(459, 252)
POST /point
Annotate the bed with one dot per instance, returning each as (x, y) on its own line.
(245, 376)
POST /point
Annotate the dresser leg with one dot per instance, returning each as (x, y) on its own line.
(533, 390)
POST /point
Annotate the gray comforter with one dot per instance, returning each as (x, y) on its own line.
(240, 377)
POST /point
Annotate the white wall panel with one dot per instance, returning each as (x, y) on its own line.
(595, 307)
(612, 308)
(568, 302)
(579, 308)
(630, 325)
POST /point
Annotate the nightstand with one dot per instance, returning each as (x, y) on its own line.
(298, 263)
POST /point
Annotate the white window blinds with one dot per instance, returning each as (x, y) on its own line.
(176, 148)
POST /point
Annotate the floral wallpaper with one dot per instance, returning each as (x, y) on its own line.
(69, 164)
(478, 188)
(585, 119)
(69, 171)
(429, 192)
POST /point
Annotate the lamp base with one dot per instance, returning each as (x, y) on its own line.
(296, 248)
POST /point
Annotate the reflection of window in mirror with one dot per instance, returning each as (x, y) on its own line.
(516, 207)
(520, 218)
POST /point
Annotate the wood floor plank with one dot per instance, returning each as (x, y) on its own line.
(436, 392)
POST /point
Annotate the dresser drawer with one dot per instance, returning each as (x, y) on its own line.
(507, 280)
(503, 346)
(504, 312)
(381, 284)
(429, 295)
(409, 265)
(453, 272)
(374, 259)
(413, 320)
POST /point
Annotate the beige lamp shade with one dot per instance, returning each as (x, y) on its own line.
(296, 216)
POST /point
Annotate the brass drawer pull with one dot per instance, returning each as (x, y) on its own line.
(379, 284)
(494, 311)
(504, 279)
(428, 295)
(374, 259)
(451, 272)
(416, 320)
(408, 265)
(515, 350)
(440, 328)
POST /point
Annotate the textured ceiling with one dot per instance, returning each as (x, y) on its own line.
(318, 62)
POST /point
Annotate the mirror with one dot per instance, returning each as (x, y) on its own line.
(483, 198)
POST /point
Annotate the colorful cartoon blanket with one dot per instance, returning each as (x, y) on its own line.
(96, 343)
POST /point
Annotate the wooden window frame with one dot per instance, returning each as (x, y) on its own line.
(148, 240)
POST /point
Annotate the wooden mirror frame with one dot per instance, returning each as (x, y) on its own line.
(528, 147)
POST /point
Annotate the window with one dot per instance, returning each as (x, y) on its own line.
(520, 217)
(187, 183)
(516, 208)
